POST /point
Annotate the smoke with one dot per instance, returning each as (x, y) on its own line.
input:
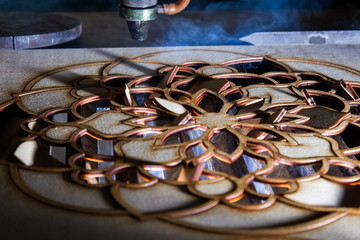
(183, 31)
(227, 26)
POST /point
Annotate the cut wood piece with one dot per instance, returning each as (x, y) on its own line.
(170, 106)
(26, 152)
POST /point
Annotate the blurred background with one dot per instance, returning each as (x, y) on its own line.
(207, 22)
(195, 5)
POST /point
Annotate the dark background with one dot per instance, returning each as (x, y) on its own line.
(195, 5)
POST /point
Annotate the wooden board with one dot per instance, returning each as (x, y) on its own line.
(183, 143)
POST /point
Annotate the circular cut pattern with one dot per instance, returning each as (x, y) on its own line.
(247, 134)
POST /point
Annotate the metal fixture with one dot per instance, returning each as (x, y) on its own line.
(140, 13)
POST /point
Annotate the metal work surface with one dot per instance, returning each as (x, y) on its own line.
(22, 30)
(182, 143)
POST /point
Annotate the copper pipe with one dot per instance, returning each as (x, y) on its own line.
(173, 8)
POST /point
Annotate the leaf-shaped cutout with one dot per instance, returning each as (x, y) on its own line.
(186, 84)
(245, 164)
(165, 173)
(38, 153)
(217, 85)
(233, 95)
(283, 171)
(144, 133)
(179, 96)
(247, 199)
(60, 116)
(329, 101)
(118, 81)
(316, 85)
(89, 108)
(92, 163)
(282, 77)
(244, 80)
(195, 150)
(92, 178)
(140, 98)
(94, 145)
(224, 141)
(259, 148)
(157, 122)
(269, 189)
(337, 170)
(195, 65)
(263, 133)
(347, 136)
(182, 173)
(183, 136)
(182, 72)
(209, 102)
(221, 187)
(146, 81)
(247, 106)
(257, 65)
(321, 117)
(129, 175)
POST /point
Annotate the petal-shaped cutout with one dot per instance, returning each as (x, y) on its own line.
(89, 108)
(233, 95)
(225, 141)
(133, 67)
(146, 151)
(182, 173)
(61, 133)
(282, 77)
(41, 101)
(257, 65)
(239, 168)
(316, 85)
(109, 123)
(117, 81)
(92, 178)
(195, 150)
(269, 189)
(215, 188)
(91, 91)
(170, 106)
(129, 176)
(329, 100)
(93, 145)
(245, 79)
(247, 199)
(88, 163)
(216, 69)
(59, 116)
(322, 118)
(283, 171)
(41, 154)
(249, 105)
(306, 147)
(282, 94)
(212, 84)
(343, 170)
(183, 135)
(209, 102)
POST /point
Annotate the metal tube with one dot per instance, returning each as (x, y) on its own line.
(173, 8)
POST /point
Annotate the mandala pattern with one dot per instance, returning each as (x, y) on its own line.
(245, 134)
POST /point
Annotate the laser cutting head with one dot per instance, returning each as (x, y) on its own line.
(140, 13)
